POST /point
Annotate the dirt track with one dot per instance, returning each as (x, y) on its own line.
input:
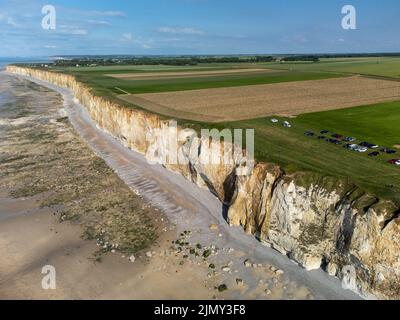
(246, 102)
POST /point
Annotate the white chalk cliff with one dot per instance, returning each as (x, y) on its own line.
(317, 221)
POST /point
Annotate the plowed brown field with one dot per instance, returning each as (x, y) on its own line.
(286, 99)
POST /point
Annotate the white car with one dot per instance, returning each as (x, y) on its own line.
(287, 124)
(361, 149)
(397, 163)
(274, 120)
(353, 147)
(349, 139)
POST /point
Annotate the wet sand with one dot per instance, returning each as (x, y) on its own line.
(32, 238)
(176, 270)
(49, 175)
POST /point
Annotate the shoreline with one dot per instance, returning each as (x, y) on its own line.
(54, 193)
(318, 279)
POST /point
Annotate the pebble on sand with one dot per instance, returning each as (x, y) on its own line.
(213, 226)
(248, 263)
(239, 282)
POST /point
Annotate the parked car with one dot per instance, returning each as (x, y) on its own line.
(395, 161)
(321, 137)
(273, 120)
(361, 149)
(349, 139)
(287, 124)
(309, 133)
(337, 136)
(369, 145)
(373, 154)
(388, 151)
(350, 146)
(334, 141)
(324, 132)
(353, 146)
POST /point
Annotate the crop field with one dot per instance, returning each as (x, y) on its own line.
(285, 99)
(156, 68)
(184, 74)
(106, 80)
(378, 66)
(363, 112)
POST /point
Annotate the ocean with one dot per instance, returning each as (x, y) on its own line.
(4, 61)
(5, 91)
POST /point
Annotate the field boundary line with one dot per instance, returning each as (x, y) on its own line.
(123, 91)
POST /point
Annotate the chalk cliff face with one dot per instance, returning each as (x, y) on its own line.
(316, 221)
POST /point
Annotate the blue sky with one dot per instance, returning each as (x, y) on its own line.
(197, 27)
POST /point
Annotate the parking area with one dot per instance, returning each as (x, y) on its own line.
(352, 144)
(356, 145)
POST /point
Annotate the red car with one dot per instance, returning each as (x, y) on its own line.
(395, 161)
(337, 136)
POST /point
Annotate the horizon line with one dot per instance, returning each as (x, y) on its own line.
(205, 54)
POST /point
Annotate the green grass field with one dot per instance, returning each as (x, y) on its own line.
(289, 147)
(295, 152)
(99, 81)
(153, 68)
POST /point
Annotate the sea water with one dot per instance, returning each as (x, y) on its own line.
(4, 61)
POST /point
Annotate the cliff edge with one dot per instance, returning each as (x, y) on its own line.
(320, 222)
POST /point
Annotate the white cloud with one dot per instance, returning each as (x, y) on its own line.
(108, 13)
(8, 20)
(50, 47)
(11, 22)
(185, 30)
(79, 32)
(127, 37)
(171, 39)
(99, 22)
(143, 43)
(72, 30)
